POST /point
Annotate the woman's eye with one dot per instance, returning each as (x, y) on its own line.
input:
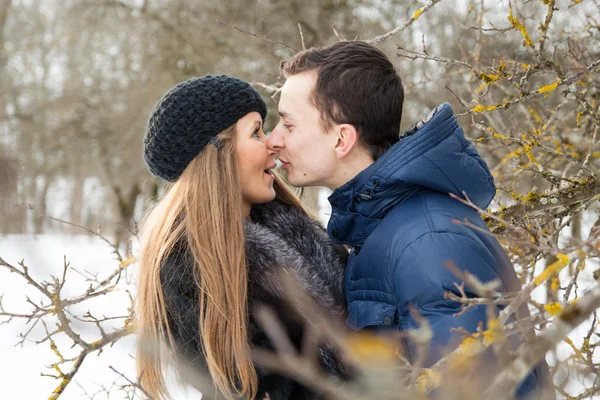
(256, 132)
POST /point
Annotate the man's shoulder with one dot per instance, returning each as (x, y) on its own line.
(425, 214)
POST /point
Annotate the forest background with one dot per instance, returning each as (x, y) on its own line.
(79, 79)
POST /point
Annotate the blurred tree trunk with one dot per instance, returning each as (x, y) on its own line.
(576, 227)
(126, 207)
(11, 217)
(4, 10)
(41, 204)
(76, 200)
(8, 172)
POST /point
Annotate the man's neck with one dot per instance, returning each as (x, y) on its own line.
(349, 169)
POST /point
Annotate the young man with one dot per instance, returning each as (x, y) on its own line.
(340, 110)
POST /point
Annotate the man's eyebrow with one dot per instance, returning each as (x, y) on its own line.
(283, 114)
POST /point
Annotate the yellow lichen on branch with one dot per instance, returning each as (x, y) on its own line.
(568, 341)
(481, 88)
(524, 149)
(546, 90)
(368, 347)
(530, 157)
(60, 388)
(494, 333)
(502, 67)
(535, 115)
(95, 345)
(553, 269)
(495, 134)
(481, 108)
(417, 14)
(127, 262)
(511, 155)
(553, 309)
(428, 381)
(463, 358)
(55, 350)
(489, 79)
(515, 23)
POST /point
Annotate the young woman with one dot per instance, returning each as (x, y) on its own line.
(214, 246)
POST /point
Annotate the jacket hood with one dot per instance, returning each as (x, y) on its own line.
(433, 154)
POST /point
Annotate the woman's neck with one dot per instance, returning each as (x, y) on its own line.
(246, 207)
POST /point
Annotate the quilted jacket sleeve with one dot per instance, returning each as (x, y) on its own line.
(421, 277)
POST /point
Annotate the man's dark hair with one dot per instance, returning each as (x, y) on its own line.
(356, 84)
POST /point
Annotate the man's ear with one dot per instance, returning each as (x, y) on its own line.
(347, 139)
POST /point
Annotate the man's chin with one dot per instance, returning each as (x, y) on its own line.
(301, 181)
(294, 181)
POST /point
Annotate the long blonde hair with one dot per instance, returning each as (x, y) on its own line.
(203, 209)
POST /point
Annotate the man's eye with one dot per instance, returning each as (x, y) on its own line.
(288, 127)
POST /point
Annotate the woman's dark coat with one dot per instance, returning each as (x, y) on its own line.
(279, 238)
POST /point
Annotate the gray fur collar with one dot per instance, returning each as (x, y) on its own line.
(281, 239)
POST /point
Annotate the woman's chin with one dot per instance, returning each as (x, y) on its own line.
(268, 196)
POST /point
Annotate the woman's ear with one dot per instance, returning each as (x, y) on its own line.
(347, 138)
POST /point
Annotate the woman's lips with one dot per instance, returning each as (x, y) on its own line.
(269, 171)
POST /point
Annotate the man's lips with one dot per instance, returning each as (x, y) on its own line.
(284, 164)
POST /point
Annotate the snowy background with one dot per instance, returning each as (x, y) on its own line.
(21, 365)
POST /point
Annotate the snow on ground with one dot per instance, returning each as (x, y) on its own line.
(21, 366)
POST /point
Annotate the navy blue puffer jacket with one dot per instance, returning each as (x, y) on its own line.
(398, 217)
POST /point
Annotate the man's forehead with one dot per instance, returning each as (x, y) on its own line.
(296, 93)
(287, 105)
(299, 84)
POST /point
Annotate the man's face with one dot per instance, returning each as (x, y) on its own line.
(306, 151)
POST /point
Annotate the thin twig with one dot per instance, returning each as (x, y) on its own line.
(264, 37)
(402, 27)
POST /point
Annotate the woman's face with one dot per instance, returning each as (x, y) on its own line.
(255, 161)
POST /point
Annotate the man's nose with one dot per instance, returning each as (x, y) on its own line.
(275, 142)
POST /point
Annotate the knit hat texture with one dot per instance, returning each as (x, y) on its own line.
(191, 114)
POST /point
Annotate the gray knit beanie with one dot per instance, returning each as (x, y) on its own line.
(190, 115)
